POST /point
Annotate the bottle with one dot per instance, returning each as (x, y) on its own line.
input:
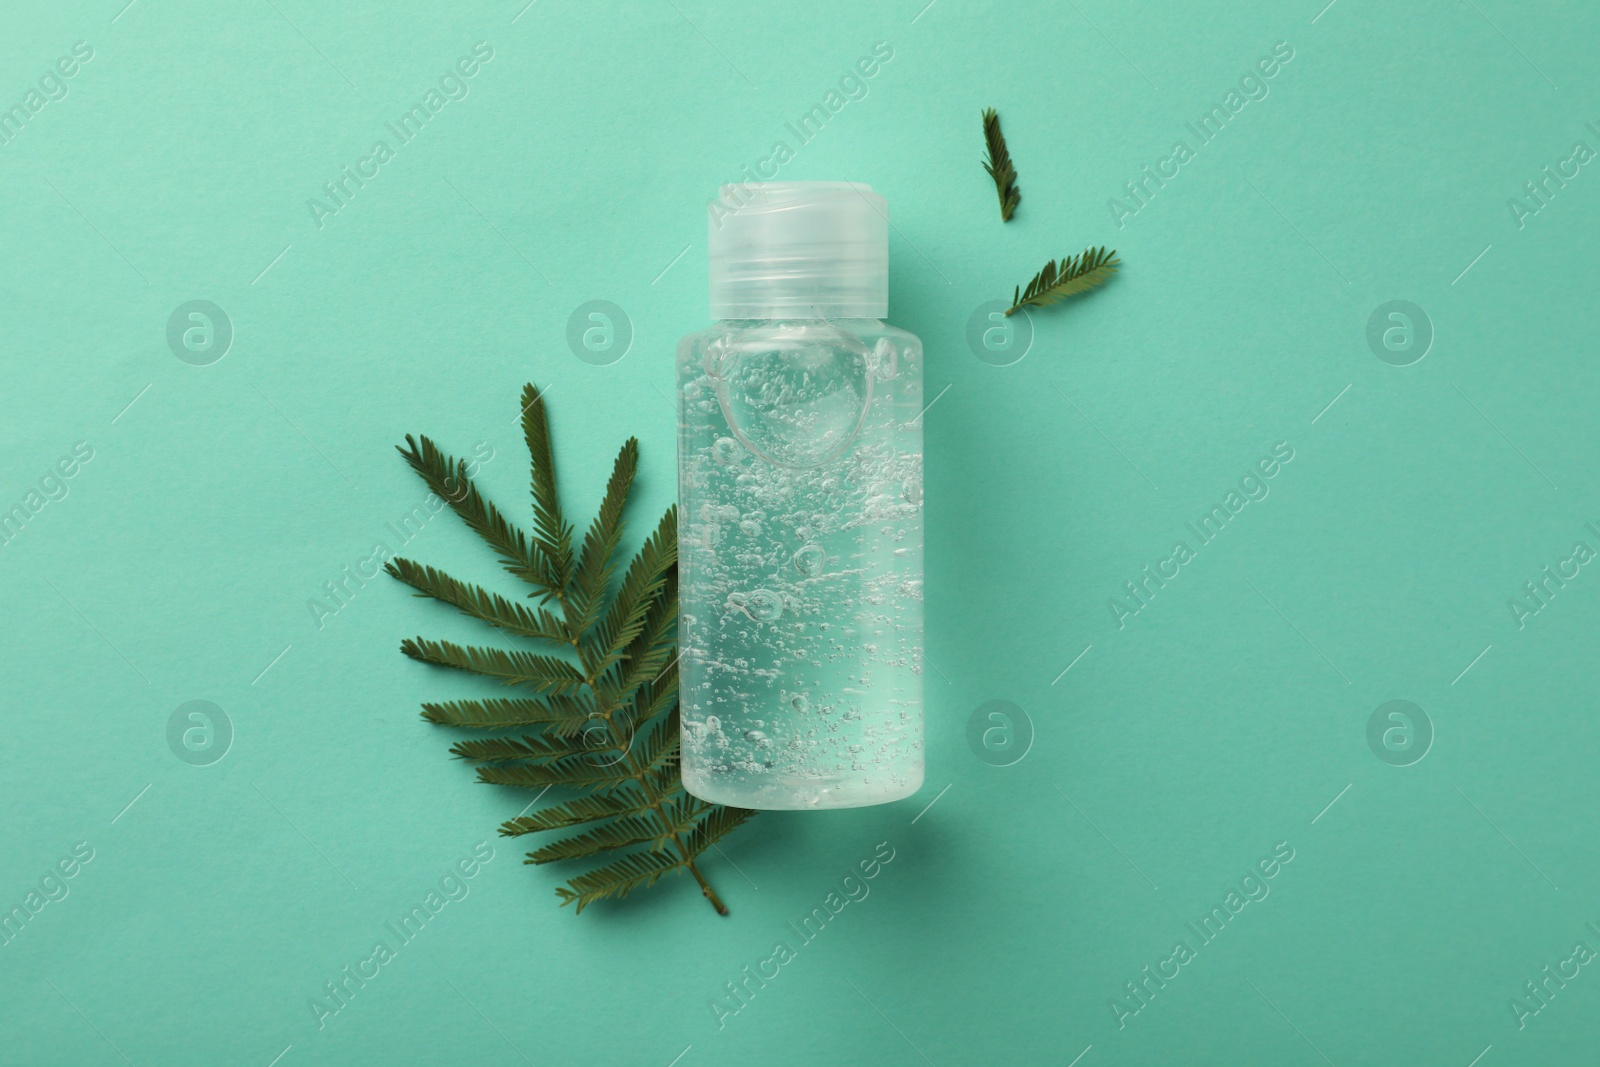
(800, 510)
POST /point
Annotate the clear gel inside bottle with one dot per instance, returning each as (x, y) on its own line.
(800, 510)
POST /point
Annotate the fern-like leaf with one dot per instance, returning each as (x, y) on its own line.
(544, 673)
(646, 868)
(659, 693)
(595, 566)
(550, 531)
(447, 477)
(533, 748)
(576, 773)
(999, 165)
(492, 608)
(605, 714)
(633, 870)
(1091, 268)
(649, 655)
(659, 748)
(721, 822)
(576, 812)
(677, 821)
(646, 578)
(563, 715)
(630, 830)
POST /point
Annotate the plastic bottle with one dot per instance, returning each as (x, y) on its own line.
(800, 510)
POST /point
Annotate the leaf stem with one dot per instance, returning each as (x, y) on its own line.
(665, 823)
(705, 886)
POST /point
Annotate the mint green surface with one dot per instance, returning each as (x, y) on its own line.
(1179, 750)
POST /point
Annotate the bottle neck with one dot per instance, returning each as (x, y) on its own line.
(789, 316)
(807, 306)
(800, 250)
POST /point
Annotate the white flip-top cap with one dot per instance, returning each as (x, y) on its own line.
(799, 250)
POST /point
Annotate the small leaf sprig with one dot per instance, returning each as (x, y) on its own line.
(605, 708)
(1090, 269)
(999, 165)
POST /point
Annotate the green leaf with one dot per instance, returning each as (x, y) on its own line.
(541, 748)
(618, 879)
(492, 608)
(721, 822)
(448, 479)
(544, 673)
(646, 577)
(576, 812)
(650, 654)
(564, 715)
(550, 531)
(576, 773)
(630, 830)
(605, 729)
(659, 748)
(622, 833)
(1090, 269)
(662, 783)
(999, 165)
(657, 695)
(595, 566)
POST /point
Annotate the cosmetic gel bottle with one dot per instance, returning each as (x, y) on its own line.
(800, 510)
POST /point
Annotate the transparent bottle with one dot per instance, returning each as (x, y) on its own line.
(800, 510)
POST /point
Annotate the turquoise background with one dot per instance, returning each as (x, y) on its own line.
(1229, 715)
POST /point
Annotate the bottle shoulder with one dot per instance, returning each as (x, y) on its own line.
(785, 329)
(904, 338)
